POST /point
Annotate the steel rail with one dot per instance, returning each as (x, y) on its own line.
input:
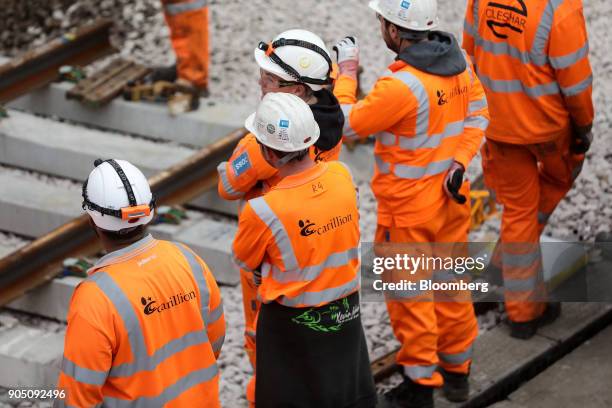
(41, 260)
(38, 67)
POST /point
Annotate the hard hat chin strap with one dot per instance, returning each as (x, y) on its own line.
(123, 213)
(281, 42)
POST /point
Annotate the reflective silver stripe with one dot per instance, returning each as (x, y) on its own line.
(347, 130)
(426, 141)
(218, 344)
(323, 296)
(477, 122)
(416, 172)
(227, 186)
(422, 97)
(142, 361)
(477, 105)
(521, 260)
(457, 358)
(578, 88)
(503, 48)
(515, 85)
(417, 372)
(469, 68)
(281, 237)
(310, 273)
(215, 314)
(568, 60)
(542, 34)
(521, 285)
(130, 321)
(383, 166)
(543, 217)
(170, 393)
(82, 374)
(178, 8)
(198, 276)
(536, 55)
(146, 363)
(386, 138)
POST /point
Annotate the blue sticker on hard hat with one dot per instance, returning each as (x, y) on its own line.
(284, 123)
(405, 4)
(241, 164)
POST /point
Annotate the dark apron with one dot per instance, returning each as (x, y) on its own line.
(313, 357)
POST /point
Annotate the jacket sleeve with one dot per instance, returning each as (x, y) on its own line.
(469, 30)
(215, 326)
(251, 242)
(476, 121)
(569, 56)
(87, 348)
(390, 101)
(243, 170)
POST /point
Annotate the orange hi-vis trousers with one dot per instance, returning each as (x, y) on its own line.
(529, 181)
(188, 22)
(433, 333)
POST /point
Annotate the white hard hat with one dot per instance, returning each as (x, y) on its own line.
(283, 122)
(117, 196)
(296, 55)
(417, 15)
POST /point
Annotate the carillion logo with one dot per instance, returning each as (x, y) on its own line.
(308, 228)
(151, 307)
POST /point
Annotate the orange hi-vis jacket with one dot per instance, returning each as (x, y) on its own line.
(239, 175)
(532, 59)
(302, 238)
(422, 123)
(144, 330)
(246, 167)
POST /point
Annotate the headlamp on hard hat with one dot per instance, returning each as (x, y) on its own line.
(133, 211)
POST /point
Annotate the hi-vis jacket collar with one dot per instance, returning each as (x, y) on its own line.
(124, 254)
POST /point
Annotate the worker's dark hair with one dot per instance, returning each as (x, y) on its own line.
(408, 34)
(126, 235)
(298, 157)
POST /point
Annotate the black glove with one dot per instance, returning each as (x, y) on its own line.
(453, 184)
(581, 142)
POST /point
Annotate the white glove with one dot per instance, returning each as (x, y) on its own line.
(347, 50)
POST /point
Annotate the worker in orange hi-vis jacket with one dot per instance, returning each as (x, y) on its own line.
(296, 62)
(146, 327)
(428, 113)
(188, 23)
(532, 58)
(300, 243)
